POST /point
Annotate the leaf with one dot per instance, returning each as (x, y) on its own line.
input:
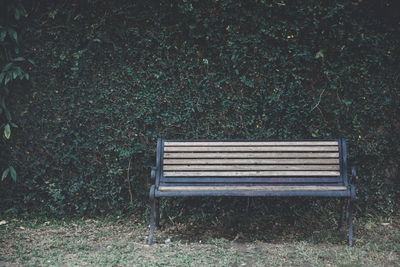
(5, 173)
(7, 131)
(7, 67)
(368, 226)
(8, 115)
(247, 82)
(13, 173)
(19, 59)
(2, 35)
(17, 14)
(2, 102)
(13, 34)
(22, 11)
(319, 54)
(2, 77)
(8, 78)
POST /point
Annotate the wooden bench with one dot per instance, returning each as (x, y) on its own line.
(293, 168)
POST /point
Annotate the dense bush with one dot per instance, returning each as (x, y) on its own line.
(112, 76)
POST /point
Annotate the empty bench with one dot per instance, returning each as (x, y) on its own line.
(292, 168)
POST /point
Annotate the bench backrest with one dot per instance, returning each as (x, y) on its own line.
(251, 162)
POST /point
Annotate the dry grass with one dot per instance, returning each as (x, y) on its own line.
(122, 243)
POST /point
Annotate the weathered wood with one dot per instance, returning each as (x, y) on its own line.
(251, 173)
(253, 188)
(252, 161)
(248, 148)
(252, 143)
(249, 167)
(252, 180)
(251, 155)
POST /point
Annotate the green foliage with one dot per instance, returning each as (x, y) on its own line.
(111, 77)
(12, 65)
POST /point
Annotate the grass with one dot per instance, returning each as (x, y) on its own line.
(122, 242)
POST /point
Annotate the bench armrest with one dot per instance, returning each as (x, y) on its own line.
(353, 174)
(153, 175)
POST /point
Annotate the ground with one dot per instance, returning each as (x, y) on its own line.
(122, 242)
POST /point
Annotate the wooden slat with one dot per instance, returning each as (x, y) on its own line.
(250, 167)
(248, 148)
(251, 161)
(250, 173)
(251, 155)
(252, 188)
(253, 143)
(252, 180)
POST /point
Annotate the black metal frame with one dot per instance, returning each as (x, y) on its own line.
(347, 206)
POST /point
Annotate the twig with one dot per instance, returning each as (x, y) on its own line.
(319, 100)
(129, 181)
(322, 115)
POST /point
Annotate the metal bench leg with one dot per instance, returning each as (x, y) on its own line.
(157, 215)
(152, 218)
(350, 221)
(342, 214)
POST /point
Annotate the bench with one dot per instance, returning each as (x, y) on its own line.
(267, 168)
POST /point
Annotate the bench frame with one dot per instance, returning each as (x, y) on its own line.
(347, 196)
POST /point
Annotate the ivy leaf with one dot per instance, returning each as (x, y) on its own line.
(7, 131)
(5, 173)
(13, 173)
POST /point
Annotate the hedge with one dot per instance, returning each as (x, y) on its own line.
(110, 77)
